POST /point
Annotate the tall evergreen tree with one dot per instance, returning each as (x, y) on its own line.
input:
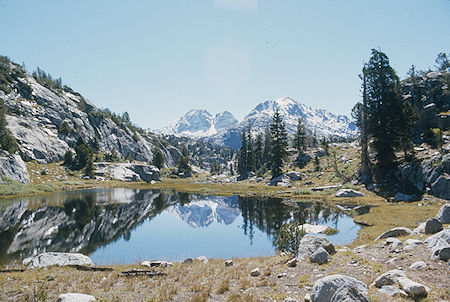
(242, 155)
(267, 148)
(7, 141)
(299, 140)
(250, 149)
(183, 162)
(384, 107)
(158, 158)
(258, 151)
(279, 144)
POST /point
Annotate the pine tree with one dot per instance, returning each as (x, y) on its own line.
(279, 144)
(258, 152)
(183, 162)
(242, 156)
(384, 108)
(299, 140)
(83, 154)
(250, 149)
(267, 148)
(158, 158)
(7, 141)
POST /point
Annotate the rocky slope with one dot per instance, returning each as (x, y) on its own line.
(47, 122)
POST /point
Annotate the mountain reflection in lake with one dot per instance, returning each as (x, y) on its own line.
(128, 225)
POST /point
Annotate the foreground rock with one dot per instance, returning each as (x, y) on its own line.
(337, 288)
(348, 193)
(439, 244)
(320, 256)
(398, 278)
(74, 297)
(61, 259)
(13, 167)
(128, 171)
(395, 232)
(310, 243)
(314, 228)
(444, 214)
(156, 263)
(432, 226)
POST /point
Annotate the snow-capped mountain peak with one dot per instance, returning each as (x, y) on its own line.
(200, 123)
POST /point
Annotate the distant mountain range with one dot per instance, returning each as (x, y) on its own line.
(223, 129)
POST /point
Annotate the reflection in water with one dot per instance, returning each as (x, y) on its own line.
(116, 223)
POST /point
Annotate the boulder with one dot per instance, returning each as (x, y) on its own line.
(404, 197)
(255, 272)
(229, 263)
(398, 278)
(395, 232)
(441, 253)
(337, 288)
(432, 226)
(289, 299)
(420, 229)
(390, 290)
(348, 193)
(75, 297)
(418, 265)
(13, 167)
(394, 242)
(320, 256)
(310, 243)
(61, 259)
(293, 175)
(446, 162)
(443, 214)
(441, 187)
(388, 278)
(188, 261)
(128, 171)
(202, 259)
(441, 239)
(411, 241)
(292, 262)
(412, 288)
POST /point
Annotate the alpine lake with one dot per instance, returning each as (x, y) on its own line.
(123, 226)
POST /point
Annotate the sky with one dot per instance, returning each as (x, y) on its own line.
(158, 59)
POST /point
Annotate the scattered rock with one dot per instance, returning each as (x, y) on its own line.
(395, 232)
(74, 297)
(310, 243)
(307, 297)
(61, 259)
(320, 256)
(229, 263)
(202, 259)
(289, 299)
(188, 261)
(418, 265)
(336, 288)
(394, 242)
(441, 253)
(391, 290)
(281, 275)
(399, 278)
(348, 193)
(444, 212)
(420, 229)
(292, 262)
(413, 242)
(412, 288)
(432, 226)
(255, 273)
(441, 239)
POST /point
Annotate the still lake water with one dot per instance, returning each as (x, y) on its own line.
(131, 225)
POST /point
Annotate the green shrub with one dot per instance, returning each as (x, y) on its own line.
(288, 237)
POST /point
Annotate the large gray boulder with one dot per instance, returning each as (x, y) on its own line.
(75, 297)
(441, 253)
(348, 193)
(441, 187)
(446, 162)
(440, 239)
(128, 171)
(395, 232)
(310, 243)
(338, 288)
(13, 167)
(320, 256)
(432, 226)
(61, 259)
(444, 213)
(398, 278)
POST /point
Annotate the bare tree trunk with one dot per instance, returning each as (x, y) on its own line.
(365, 162)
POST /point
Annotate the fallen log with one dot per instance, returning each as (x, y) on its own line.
(91, 268)
(149, 273)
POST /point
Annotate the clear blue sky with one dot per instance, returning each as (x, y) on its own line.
(158, 59)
